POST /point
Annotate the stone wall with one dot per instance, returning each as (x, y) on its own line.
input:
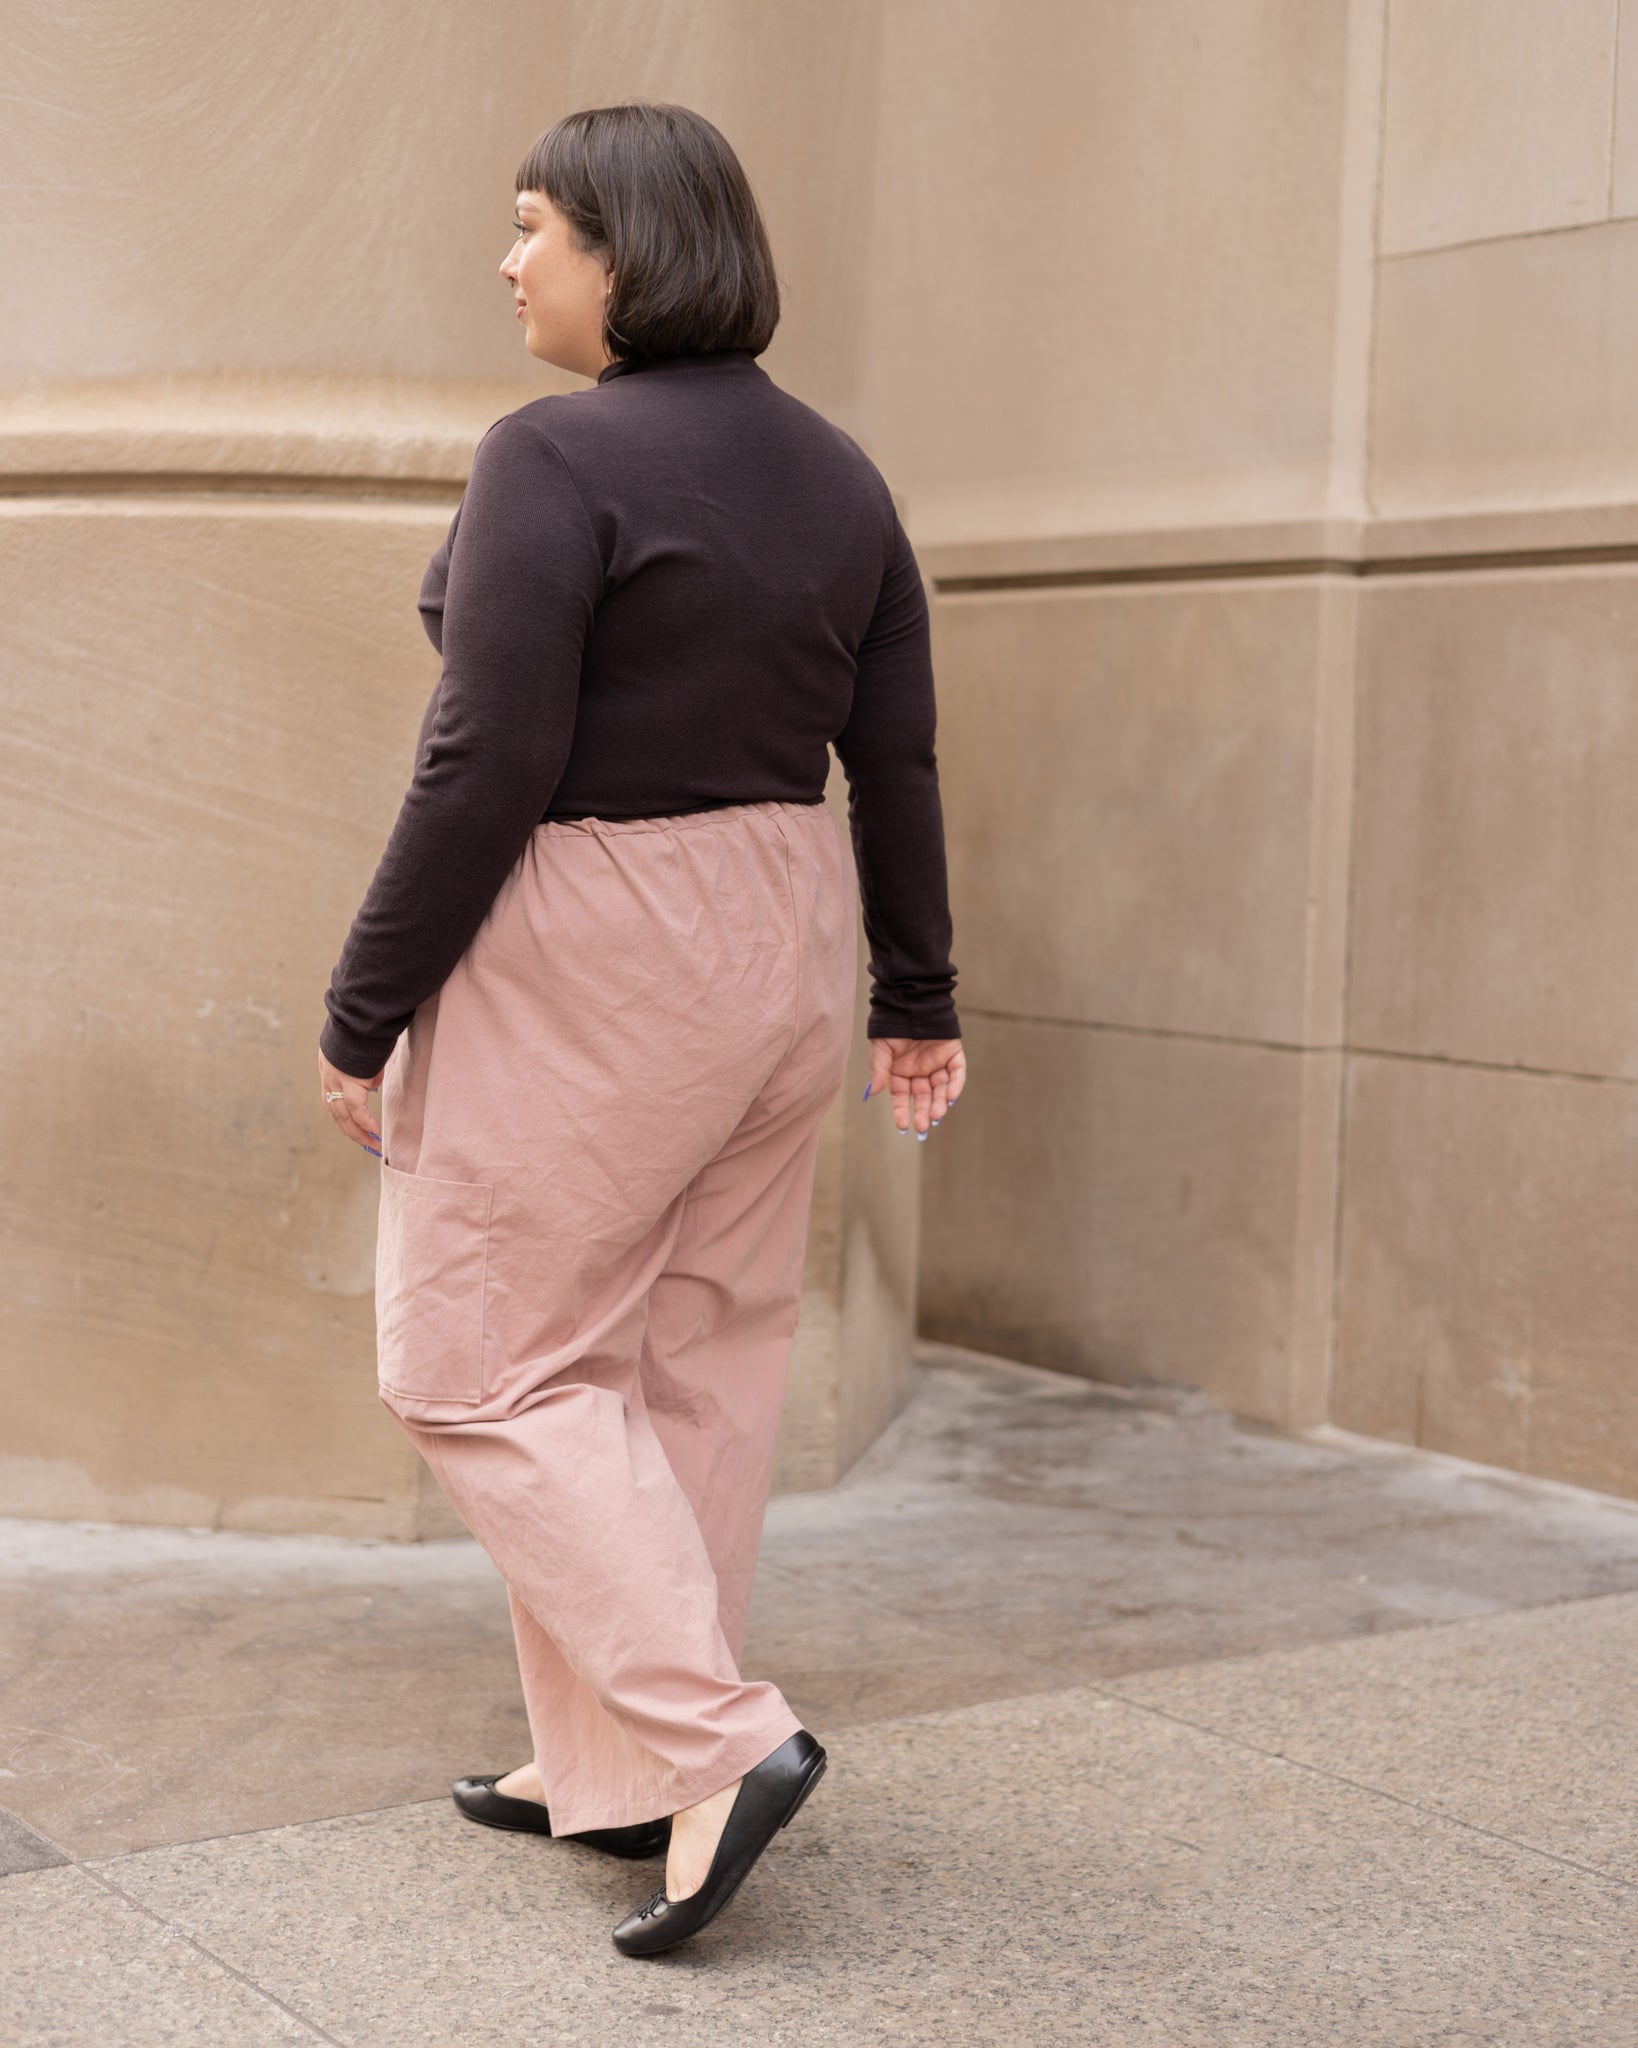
(1291, 709)
(258, 329)
(1256, 382)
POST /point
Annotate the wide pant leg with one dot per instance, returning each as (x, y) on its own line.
(600, 1147)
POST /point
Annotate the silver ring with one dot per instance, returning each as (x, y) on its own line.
(334, 1094)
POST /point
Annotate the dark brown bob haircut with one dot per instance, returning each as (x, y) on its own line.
(657, 189)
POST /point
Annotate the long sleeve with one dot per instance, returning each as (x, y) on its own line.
(894, 812)
(508, 600)
(435, 584)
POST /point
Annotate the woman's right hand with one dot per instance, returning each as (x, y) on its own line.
(925, 1076)
(346, 1098)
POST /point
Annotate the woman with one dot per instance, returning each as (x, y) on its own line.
(604, 978)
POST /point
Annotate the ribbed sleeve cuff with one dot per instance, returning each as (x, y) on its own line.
(886, 1021)
(362, 1058)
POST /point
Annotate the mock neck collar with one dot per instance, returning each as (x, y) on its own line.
(704, 359)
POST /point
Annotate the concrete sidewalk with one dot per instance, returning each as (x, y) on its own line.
(1146, 1727)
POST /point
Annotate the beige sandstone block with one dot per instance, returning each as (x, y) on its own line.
(1503, 374)
(1497, 119)
(1148, 337)
(1496, 834)
(211, 712)
(212, 709)
(1147, 795)
(1129, 1206)
(1488, 1296)
(353, 220)
(1624, 173)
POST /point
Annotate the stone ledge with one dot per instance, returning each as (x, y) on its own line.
(210, 432)
(247, 430)
(1458, 539)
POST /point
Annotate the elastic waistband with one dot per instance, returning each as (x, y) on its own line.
(685, 821)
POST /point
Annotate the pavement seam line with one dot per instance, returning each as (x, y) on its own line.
(210, 1956)
(1361, 1785)
(39, 1835)
(1068, 1683)
(276, 1827)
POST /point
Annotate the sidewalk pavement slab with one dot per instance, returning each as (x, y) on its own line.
(1146, 1726)
(1069, 1868)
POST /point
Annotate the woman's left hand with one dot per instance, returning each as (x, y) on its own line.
(925, 1076)
(350, 1111)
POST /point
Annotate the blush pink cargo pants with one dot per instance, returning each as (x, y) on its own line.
(599, 1141)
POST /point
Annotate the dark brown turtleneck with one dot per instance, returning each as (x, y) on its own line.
(672, 590)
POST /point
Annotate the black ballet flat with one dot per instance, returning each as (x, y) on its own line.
(479, 1801)
(767, 1800)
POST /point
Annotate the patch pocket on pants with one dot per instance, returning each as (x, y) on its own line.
(431, 1265)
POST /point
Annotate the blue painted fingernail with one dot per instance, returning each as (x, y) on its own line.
(921, 1137)
(868, 1086)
